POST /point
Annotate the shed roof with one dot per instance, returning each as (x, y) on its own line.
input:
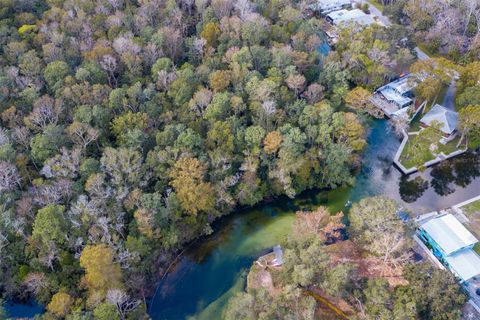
(465, 263)
(449, 233)
(448, 119)
(346, 16)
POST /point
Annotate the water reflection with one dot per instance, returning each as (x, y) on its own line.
(412, 189)
(458, 172)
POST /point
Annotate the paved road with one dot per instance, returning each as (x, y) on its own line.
(448, 101)
(378, 13)
(420, 54)
(386, 21)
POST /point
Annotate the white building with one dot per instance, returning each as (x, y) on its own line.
(447, 119)
(327, 6)
(345, 17)
(398, 92)
(452, 244)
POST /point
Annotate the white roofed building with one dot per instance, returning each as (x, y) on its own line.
(447, 119)
(395, 96)
(345, 17)
(327, 6)
(452, 244)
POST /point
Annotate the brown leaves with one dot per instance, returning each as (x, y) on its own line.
(193, 193)
(319, 223)
(272, 142)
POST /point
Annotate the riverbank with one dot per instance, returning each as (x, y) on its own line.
(214, 269)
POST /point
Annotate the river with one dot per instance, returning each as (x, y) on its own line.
(214, 269)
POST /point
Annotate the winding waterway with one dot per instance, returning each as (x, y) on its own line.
(213, 270)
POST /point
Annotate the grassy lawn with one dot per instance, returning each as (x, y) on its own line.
(426, 153)
(450, 146)
(425, 49)
(477, 248)
(376, 4)
(472, 211)
(472, 208)
(408, 162)
(441, 94)
(415, 124)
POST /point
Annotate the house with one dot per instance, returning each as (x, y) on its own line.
(395, 97)
(452, 244)
(327, 6)
(345, 17)
(447, 119)
(399, 92)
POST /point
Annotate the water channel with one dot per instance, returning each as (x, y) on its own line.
(214, 269)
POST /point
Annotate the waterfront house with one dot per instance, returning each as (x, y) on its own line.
(399, 92)
(345, 17)
(447, 119)
(395, 96)
(452, 244)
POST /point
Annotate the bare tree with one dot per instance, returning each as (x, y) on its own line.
(45, 111)
(9, 177)
(124, 303)
(109, 64)
(82, 134)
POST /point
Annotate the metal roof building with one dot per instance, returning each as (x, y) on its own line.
(327, 6)
(465, 264)
(398, 91)
(448, 119)
(449, 234)
(343, 17)
(453, 244)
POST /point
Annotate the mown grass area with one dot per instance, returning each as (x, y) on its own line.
(425, 155)
(376, 4)
(477, 248)
(415, 124)
(451, 146)
(472, 208)
(441, 94)
(427, 50)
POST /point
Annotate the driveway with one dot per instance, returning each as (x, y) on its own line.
(448, 101)
(420, 54)
(378, 13)
(386, 21)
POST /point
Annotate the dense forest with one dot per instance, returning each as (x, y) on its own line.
(129, 126)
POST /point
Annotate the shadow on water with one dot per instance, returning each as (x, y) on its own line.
(214, 270)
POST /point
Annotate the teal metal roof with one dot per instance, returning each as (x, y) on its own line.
(449, 234)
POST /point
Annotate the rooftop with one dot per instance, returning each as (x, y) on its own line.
(392, 95)
(333, 3)
(449, 233)
(465, 263)
(346, 16)
(402, 85)
(448, 119)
